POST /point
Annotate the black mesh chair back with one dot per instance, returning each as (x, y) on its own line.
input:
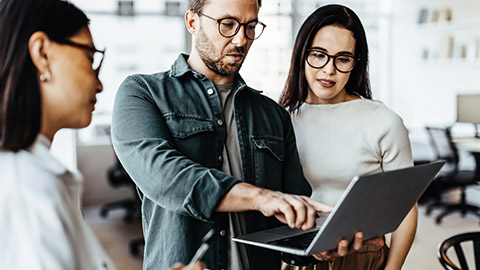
(458, 243)
(444, 148)
(449, 177)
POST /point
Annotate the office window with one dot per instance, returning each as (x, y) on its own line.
(147, 40)
(150, 38)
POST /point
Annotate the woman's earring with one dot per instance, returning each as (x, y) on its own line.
(45, 76)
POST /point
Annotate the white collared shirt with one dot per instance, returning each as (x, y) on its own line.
(41, 224)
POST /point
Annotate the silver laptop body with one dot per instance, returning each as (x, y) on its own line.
(375, 204)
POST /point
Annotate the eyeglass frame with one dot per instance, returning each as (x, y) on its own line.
(334, 59)
(85, 47)
(218, 21)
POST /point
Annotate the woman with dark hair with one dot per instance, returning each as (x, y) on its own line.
(48, 80)
(341, 132)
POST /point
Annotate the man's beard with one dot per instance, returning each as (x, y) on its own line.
(213, 61)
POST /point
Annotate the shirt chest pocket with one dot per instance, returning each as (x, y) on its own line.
(193, 136)
(269, 154)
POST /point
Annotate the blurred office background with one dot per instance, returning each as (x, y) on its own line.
(423, 54)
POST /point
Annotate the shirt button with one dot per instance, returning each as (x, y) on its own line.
(220, 158)
(210, 91)
(219, 122)
(223, 232)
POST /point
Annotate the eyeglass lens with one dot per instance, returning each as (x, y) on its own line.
(97, 60)
(342, 63)
(229, 27)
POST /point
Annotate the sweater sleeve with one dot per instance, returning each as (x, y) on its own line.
(391, 141)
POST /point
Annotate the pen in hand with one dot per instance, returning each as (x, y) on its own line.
(203, 247)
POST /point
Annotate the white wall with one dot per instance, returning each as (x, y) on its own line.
(423, 91)
(424, 87)
(64, 148)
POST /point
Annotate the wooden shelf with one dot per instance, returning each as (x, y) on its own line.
(451, 63)
(449, 26)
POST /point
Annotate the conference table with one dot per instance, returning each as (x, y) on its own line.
(471, 145)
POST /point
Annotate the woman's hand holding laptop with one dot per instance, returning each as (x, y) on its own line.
(343, 247)
(300, 212)
(296, 211)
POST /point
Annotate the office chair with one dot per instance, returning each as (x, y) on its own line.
(450, 176)
(456, 242)
(118, 177)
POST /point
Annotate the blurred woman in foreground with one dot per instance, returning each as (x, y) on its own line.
(49, 69)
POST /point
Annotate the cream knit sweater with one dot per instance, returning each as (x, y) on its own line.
(339, 141)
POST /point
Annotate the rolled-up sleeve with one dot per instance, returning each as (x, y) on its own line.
(144, 145)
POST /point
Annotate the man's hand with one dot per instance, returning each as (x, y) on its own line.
(343, 247)
(295, 210)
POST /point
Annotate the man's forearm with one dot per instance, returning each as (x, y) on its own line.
(241, 197)
(294, 210)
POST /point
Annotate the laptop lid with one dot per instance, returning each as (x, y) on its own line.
(375, 204)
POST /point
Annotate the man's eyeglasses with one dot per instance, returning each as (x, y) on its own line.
(319, 59)
(229, 27)
(98, 55)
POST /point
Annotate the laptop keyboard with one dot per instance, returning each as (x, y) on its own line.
(301, 241)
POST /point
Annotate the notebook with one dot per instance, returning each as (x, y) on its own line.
(375, 204)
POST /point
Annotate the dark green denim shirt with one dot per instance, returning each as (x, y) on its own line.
(168, 133)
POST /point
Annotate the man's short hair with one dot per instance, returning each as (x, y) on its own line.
(197, 5)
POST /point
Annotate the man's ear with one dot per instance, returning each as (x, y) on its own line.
(192, 22)
(37, 46)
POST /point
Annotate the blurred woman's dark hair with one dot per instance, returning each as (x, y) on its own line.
(20, 104)
(296, 87)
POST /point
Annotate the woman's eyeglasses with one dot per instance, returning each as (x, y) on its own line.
(319, 59)
(98, 55)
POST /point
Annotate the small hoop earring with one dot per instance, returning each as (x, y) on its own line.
(45, 76)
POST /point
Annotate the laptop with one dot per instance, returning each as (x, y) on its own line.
(375, 204)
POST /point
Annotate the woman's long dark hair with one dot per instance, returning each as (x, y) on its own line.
(296, 87)
(20, 100)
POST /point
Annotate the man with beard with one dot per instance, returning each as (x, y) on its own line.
(207, 151)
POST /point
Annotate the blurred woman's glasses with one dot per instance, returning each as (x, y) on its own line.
(98, 55)
(318, 59)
